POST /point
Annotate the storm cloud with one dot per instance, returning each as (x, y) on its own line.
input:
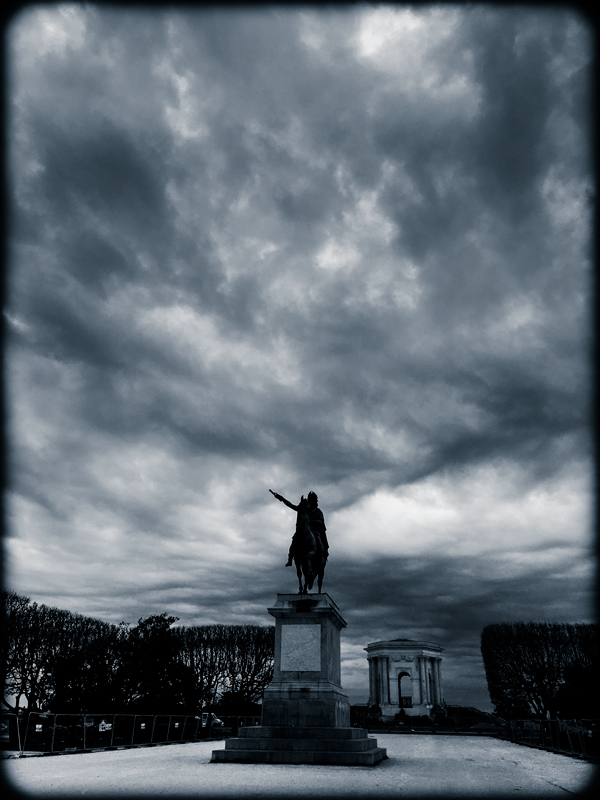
(345, 250)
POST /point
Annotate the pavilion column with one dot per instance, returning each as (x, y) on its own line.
(431, 680)
(386, 667)
(380, 695)
(423, 679)
(372, 681)
(382, 678)
(429, 671)
(394, 688)
(438, 679)
(375, 678)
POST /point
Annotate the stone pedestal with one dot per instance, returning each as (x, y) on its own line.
(305, 713)
(306, 689)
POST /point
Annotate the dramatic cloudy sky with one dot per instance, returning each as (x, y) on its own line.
(343, 250)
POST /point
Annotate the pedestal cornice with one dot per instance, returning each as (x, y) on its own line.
(297, 607)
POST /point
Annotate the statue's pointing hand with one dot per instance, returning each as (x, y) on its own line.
(278, 496)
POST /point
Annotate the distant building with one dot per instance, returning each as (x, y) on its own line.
(404, 674)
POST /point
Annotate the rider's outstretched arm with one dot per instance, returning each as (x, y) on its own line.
(283, 500)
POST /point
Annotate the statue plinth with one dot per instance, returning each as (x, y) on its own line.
(305, 713)
(306, 686)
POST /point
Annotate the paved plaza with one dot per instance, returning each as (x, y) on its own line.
(417, 766)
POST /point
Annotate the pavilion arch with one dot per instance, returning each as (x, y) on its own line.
(405, 698)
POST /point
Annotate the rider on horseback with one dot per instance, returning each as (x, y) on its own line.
(316, 521)
(304, 544)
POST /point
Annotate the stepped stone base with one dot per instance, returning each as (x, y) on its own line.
(305, 713)
(268, 744)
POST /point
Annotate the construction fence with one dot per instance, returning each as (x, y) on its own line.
(71, 733)
(571, 737)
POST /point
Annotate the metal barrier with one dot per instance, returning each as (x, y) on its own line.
(63, 733)
(70, 733)
(572, 737)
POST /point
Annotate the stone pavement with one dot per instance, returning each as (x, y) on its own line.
(417, 766)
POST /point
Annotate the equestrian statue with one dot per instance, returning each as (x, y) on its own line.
(309, 549)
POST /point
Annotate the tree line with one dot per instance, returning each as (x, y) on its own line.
(542, 669)
(54, 660)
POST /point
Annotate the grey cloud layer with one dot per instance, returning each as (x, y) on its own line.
(241, 241)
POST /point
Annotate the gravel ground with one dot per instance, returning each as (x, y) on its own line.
(417, 766)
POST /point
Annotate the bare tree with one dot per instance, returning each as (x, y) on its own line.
(57, 660)
(228, 658)
(44, 653)
(14, 611)
(249, 660)
(201, 648)
(33, 656)
(153, 674)
(86, 671)
(526, 663)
